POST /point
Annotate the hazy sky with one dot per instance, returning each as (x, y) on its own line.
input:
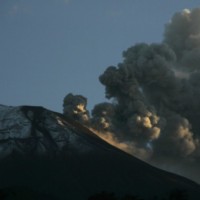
(49, 48)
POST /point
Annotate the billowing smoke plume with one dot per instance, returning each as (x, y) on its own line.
(102, 117)
(74, 106)
(183, 36)
(155, 92)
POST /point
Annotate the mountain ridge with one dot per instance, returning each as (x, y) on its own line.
(40, 148)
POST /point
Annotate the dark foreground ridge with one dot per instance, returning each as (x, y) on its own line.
(58, 157)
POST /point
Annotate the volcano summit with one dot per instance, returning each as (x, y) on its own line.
(49, 153)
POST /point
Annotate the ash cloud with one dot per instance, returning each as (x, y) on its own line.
(74, 106)
(155, 93)
(183, 36)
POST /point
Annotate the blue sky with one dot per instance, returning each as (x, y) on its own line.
(49, 48)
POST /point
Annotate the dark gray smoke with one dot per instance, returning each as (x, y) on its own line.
(183, 36)
(74, 106)
(102, 117)
(155, 92)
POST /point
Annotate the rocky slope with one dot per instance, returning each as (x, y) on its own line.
(51, 154)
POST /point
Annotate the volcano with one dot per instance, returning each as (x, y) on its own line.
(49, 153)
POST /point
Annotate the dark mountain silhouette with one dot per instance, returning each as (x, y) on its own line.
(53, 155)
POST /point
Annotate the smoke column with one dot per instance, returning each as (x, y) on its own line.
(155, 95)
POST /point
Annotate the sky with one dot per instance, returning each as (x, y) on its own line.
(49, 48)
